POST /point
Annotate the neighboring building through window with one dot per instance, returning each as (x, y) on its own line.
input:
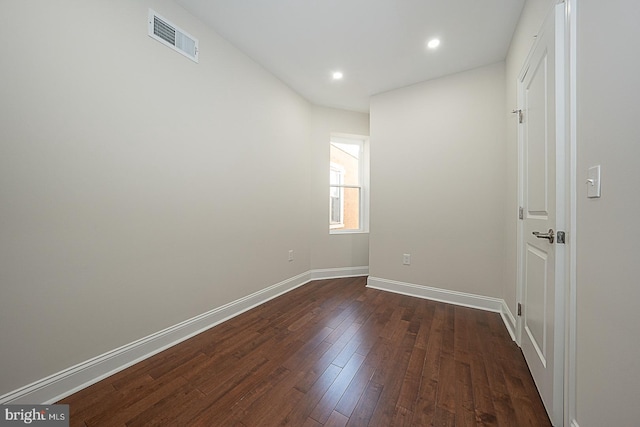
(347, 185)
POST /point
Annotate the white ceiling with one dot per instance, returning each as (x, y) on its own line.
(379, 45)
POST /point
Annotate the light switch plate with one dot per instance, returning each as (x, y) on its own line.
(406, 259)
(593, 182)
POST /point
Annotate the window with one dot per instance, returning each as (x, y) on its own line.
(347, 172)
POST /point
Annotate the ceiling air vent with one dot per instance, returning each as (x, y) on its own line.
(170, 35)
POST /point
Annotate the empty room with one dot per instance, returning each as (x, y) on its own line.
(169, 255)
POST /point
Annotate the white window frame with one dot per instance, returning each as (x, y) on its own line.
(363, 170)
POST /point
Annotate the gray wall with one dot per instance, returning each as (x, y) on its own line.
(437, 178)
(608, 230)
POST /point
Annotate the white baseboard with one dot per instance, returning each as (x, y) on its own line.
(437, 294)
(495, 305)
(332, 273)
(509, 320)
(64, 383)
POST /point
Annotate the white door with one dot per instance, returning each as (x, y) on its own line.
(541, 325)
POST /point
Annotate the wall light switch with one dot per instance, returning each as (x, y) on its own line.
(593, 182)
(406, 259)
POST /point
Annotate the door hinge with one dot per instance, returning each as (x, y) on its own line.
(561, 237)
(519, 309)
(521, 213)
(519, 113)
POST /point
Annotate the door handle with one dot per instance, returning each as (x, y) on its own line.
(548, 235)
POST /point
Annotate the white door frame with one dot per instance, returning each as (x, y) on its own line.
(565, 183)
(572, 199)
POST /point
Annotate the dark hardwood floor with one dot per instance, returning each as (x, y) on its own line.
(331, 353)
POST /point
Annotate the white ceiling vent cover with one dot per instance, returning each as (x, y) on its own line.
(170, 35)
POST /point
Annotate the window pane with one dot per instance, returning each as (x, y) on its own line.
(344, 210)
(335, 211)
(335, 177)
(347, 158)
(336, 207)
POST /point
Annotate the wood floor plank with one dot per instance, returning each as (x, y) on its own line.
(484, 408)
(402, 417)
(311, 398)
(315, 365)
(412, 380)
(143, 401)
(423, 317)
(387, 407)
(336, 343)
(325, 407)
(502, 401)
(331, 353)
(336, 420)
(366, 405)
(160, 414)
(310, 422)
(264, 412)
(424, 411)
(85, 401)
(236, 400)
(359, 383)
(446, 394)
(465, 406)
(448, 330)
(224, 378)
(444, 418)
(310, 348)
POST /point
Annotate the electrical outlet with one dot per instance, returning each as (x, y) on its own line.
(291, 255)
(406, 259)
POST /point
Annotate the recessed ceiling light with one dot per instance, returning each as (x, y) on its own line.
(433, 43)
(337, 75)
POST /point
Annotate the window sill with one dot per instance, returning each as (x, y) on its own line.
(337, 232)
